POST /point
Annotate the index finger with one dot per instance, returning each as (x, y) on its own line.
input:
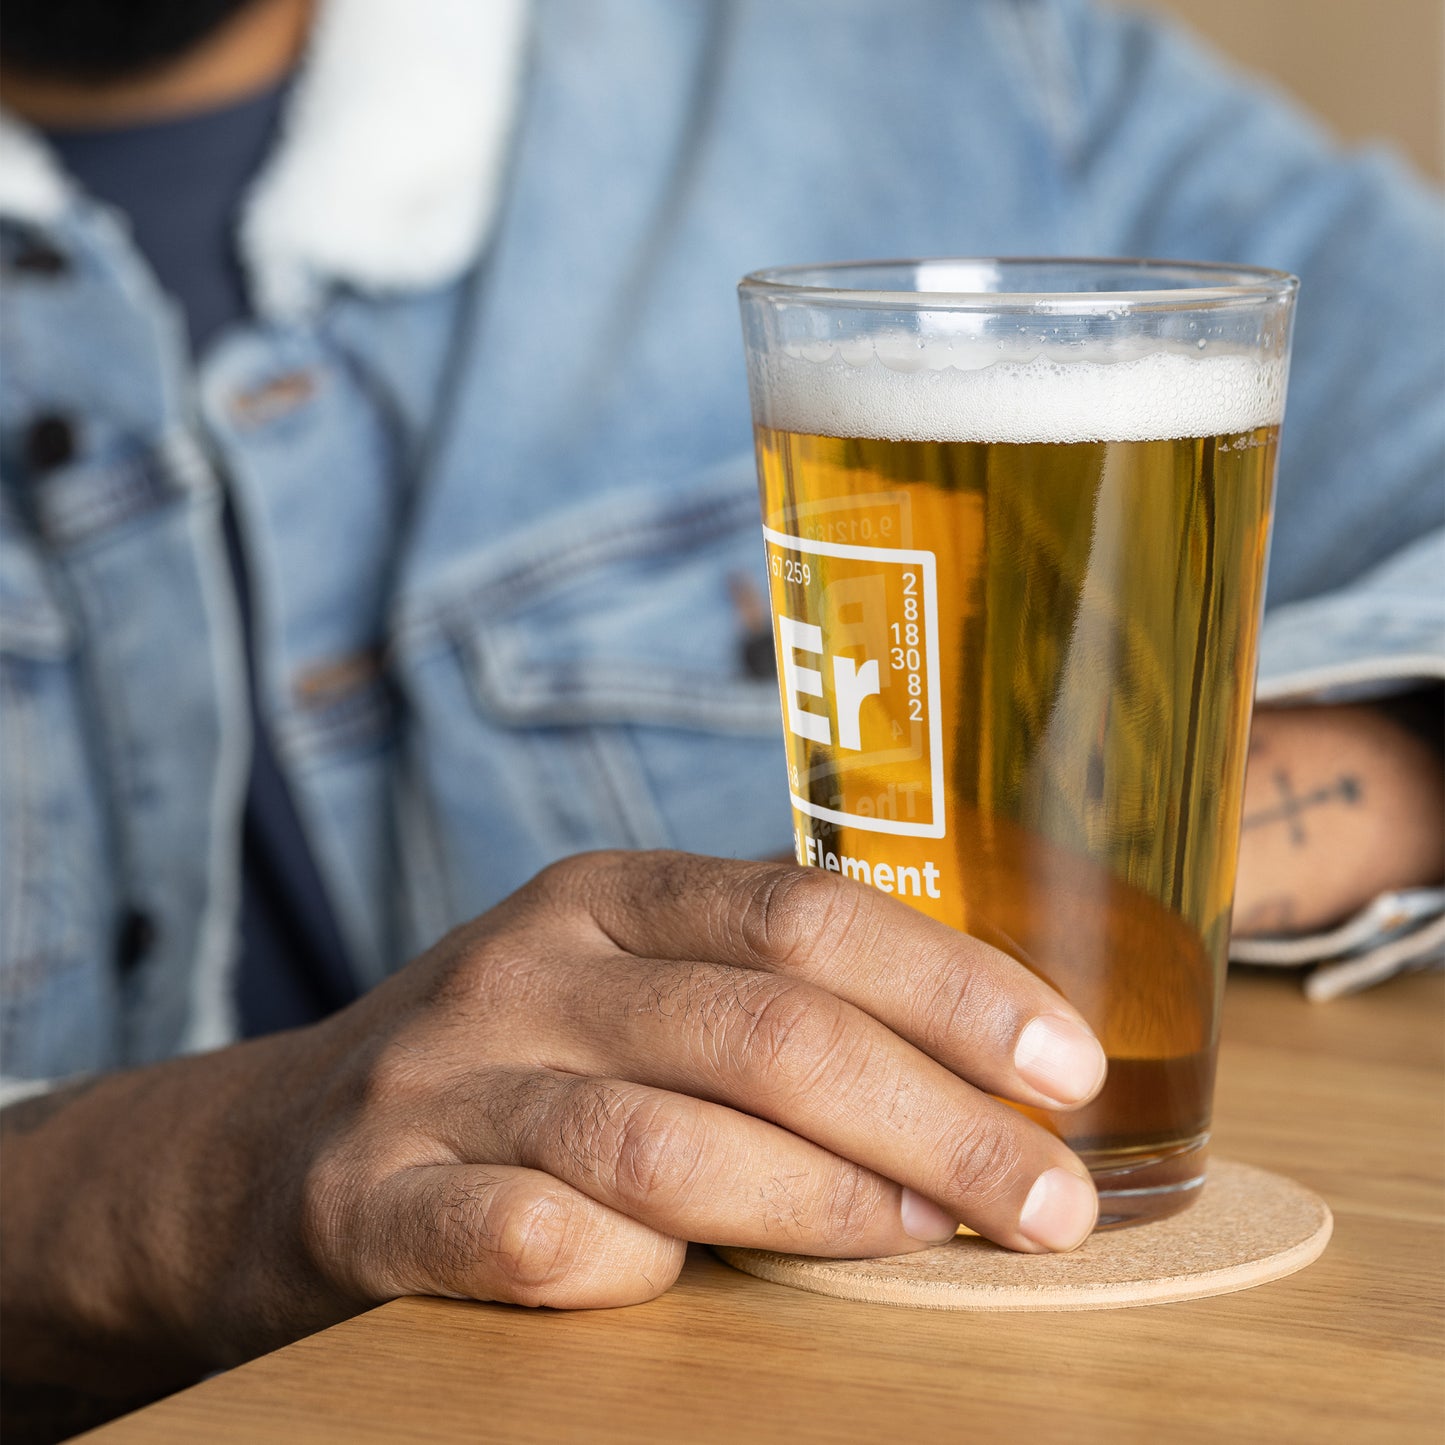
(970, 1006)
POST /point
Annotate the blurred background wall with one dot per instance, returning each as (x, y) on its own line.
(1372, 68)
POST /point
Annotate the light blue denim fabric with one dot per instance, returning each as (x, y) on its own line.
(500, 527)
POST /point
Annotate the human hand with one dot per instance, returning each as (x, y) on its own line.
(637, 1050)
(1340, 804)
(634, 1051)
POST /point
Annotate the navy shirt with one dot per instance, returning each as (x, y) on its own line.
(180, 183)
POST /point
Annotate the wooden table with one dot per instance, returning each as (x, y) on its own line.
(1344, 1096)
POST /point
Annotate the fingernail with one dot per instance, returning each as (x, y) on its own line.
(1060, 1059)
(923, 1219)
(1060, 1210)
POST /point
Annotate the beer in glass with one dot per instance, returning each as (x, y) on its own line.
(1017, 518)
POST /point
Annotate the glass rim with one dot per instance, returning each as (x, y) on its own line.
(1206, 285)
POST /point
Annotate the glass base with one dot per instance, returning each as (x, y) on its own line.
(1139, 1188)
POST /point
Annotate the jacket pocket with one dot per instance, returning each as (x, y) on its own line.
(614, 667)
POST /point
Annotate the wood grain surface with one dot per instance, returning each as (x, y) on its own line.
(1345, 1097)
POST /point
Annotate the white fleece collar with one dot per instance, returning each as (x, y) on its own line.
(32, 187)
(388, 170)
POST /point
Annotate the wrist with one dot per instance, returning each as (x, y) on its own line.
(1341, 804)
(144, 1222)
(241, 1280)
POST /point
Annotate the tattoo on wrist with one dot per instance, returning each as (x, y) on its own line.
(1292, 806)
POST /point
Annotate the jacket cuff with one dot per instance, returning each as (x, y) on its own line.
(12, 1089)
(1383, 634)
(1396, 933)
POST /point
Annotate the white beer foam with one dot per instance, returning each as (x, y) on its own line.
(897, 389)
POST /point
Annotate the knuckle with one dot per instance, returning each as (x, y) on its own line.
(505, 1101)
(853, 1204)
(787, 912)
(526, 1242)
(563, 878)
(561, 892)
(588, 1125)
(633, 1144)
(661, 884)
(669, 877)
(456, 1236)
(984, 1160)
(966, 1003)
(349, 1229)
(656, 1159)
(578, 882)
(793, 1032)
(597, 888)
(699, 993)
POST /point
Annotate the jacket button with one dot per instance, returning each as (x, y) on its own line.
(755, 650)
(134, 938)
(38, 258)
(758, 657)
(49, 442)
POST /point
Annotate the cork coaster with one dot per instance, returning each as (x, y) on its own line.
(1248, 1227)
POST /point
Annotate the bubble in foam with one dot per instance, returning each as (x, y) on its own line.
(897, 390)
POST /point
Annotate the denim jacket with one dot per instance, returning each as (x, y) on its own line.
(488, 439)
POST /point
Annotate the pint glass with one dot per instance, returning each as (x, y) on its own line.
(1017, 517)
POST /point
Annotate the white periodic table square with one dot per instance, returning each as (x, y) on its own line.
(856, 630)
